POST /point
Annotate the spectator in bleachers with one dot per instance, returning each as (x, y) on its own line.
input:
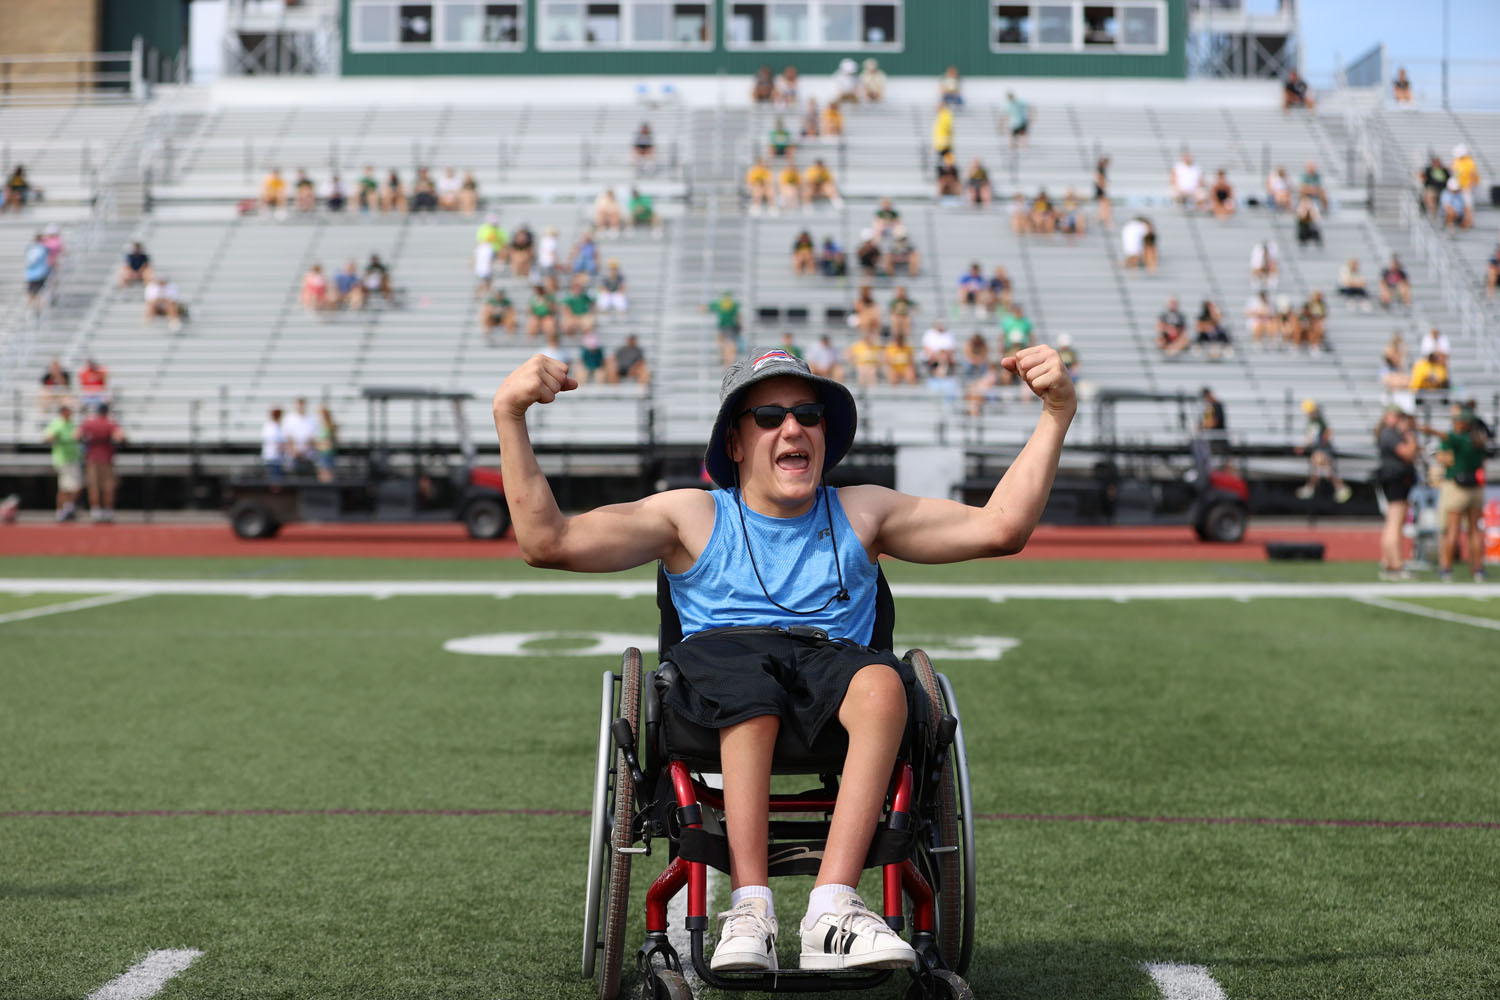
(393, 194)
(449, 187)
(971, 290)
(1401, 88)
(1352, 287)
(786, 88)
(1394, 376)
(902, 257)
(1429, 373)
(273, 191)
(325, 445)
(1492, 272)
(1068, 354)
(53, 241)
(162, 299)
(424, 195)
(578, 307)
(17, 190)
(812, 120)
(1435, 341)
(867, 358)
(762, 191)
(1393, 281)
(1223, 196)
(763, 87)
(726, 310)
(100, 436)
(377, 280)
(823, 359)
(1213, 338)
(1308, 230)
(1279, 190)
(872, 81)
(612, 289)
(590, 358)
(1260, 319)
(833, 120)
(607, 214)
(789, 185)
(1451, 203)
(1310, 185)
(643, 148)
(300, 431)
(629, 361)
(869, 256)
(643, 212)
(1314, 321)
(939, 351)
(497, 310)
(543, 313)
(950, 89)
(1070, 218)
(62, 434)
(997, 290)
(833, 262)
(57, 387)
(1101, 192)
(1434, 178)
(1265, 264)
(866, 311)
(522, 251)
(273, 449)
(490, 231)
(1018, 119)
(484, 264)
(1317, 445)
(584, 258)
(977, 180)
(900, 309)
(348, 290)
(1186, 181)
(942, 131)
(886, 219)
(135, 269)
(780, 141)
(974, 361)
(93, 383)
(468, 194)
(1138, 240)
(1466, 172)
(1020, 215)
(1288, 321)
(1171, 330)
(1017, 333)
(1043, 217)
(804, 254)
(818, 184)
(314, 296)
(367, 191)
(900, 361)
(846, 82)
(948, 182)
(304, 198)
(789, 344)
(1295, 93)
(335, 197)
(983, 389)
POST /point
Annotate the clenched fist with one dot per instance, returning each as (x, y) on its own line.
(1045, 374)
(538, 380)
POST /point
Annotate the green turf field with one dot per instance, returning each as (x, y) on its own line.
(289, 745)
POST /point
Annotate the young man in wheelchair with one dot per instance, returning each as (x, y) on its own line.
(774, 550)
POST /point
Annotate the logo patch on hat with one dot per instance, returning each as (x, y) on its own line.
(768, 357)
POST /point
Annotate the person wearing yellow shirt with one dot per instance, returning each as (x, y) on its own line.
(758, 180)
(1429, 373)
(817, 182)
(867, 357)
(942, 131)
(900, 362)
(833, 119)
(1466, 172)
(789, 185)
(273, 190)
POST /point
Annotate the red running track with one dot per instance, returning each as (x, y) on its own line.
(449, 541)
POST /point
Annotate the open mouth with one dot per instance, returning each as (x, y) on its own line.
(794, 461)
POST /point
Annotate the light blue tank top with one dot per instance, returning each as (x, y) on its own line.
(795, 557)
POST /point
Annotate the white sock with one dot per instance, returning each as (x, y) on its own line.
(745, 892)
(820, 901)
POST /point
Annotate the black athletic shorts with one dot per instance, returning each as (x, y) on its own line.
(1398, 487)
(734, 674)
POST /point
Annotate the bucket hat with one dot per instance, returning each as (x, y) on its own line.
(839, 416)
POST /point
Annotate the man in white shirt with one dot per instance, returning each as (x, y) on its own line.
(273, 446)
(1435, 341)
(161, 300)
(1264, 262)
(298, 431)
(823, 359)
(1187, 180)
(938, 350)
(448, 188)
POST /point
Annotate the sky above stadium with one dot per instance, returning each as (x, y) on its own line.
(1335, 31)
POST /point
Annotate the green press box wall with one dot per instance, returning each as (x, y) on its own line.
(939, 33)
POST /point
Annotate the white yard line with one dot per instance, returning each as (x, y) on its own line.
(1184, 982)
(146, 977)
(1440, 615)
(644, 588)
(57, 609)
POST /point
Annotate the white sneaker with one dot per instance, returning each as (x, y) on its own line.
(748, 942)
(853, 937)
(1304, 492)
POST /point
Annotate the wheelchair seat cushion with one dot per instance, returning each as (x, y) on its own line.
(724, 676)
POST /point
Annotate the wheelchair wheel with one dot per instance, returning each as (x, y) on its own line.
(950, 872)
(608, 891)
(668, 984)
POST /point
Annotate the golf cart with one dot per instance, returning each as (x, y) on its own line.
(414, 482)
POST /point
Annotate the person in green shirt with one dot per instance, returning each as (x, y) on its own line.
(367, 195)
(62, 435)
(543, 318)
(726, 310)
(497, 311)
(578, 307)
(490, 231)
(781, 139)
(1461, 453)
(643, 212)
(1016, 330)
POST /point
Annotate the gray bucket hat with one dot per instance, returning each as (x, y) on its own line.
(839, 417)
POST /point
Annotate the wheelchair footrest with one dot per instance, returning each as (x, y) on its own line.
(801, 857)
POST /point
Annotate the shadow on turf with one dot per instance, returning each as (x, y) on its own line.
(11, 890)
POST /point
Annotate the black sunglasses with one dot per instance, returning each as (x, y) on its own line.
(771, 416)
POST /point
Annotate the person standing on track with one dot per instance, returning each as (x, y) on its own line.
(772, 549)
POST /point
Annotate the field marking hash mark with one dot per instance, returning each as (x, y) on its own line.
(147, 977)
(58, 609)
(1438, 613)
(1184, 982)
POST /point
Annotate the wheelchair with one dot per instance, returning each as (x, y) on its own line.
(924, 843)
